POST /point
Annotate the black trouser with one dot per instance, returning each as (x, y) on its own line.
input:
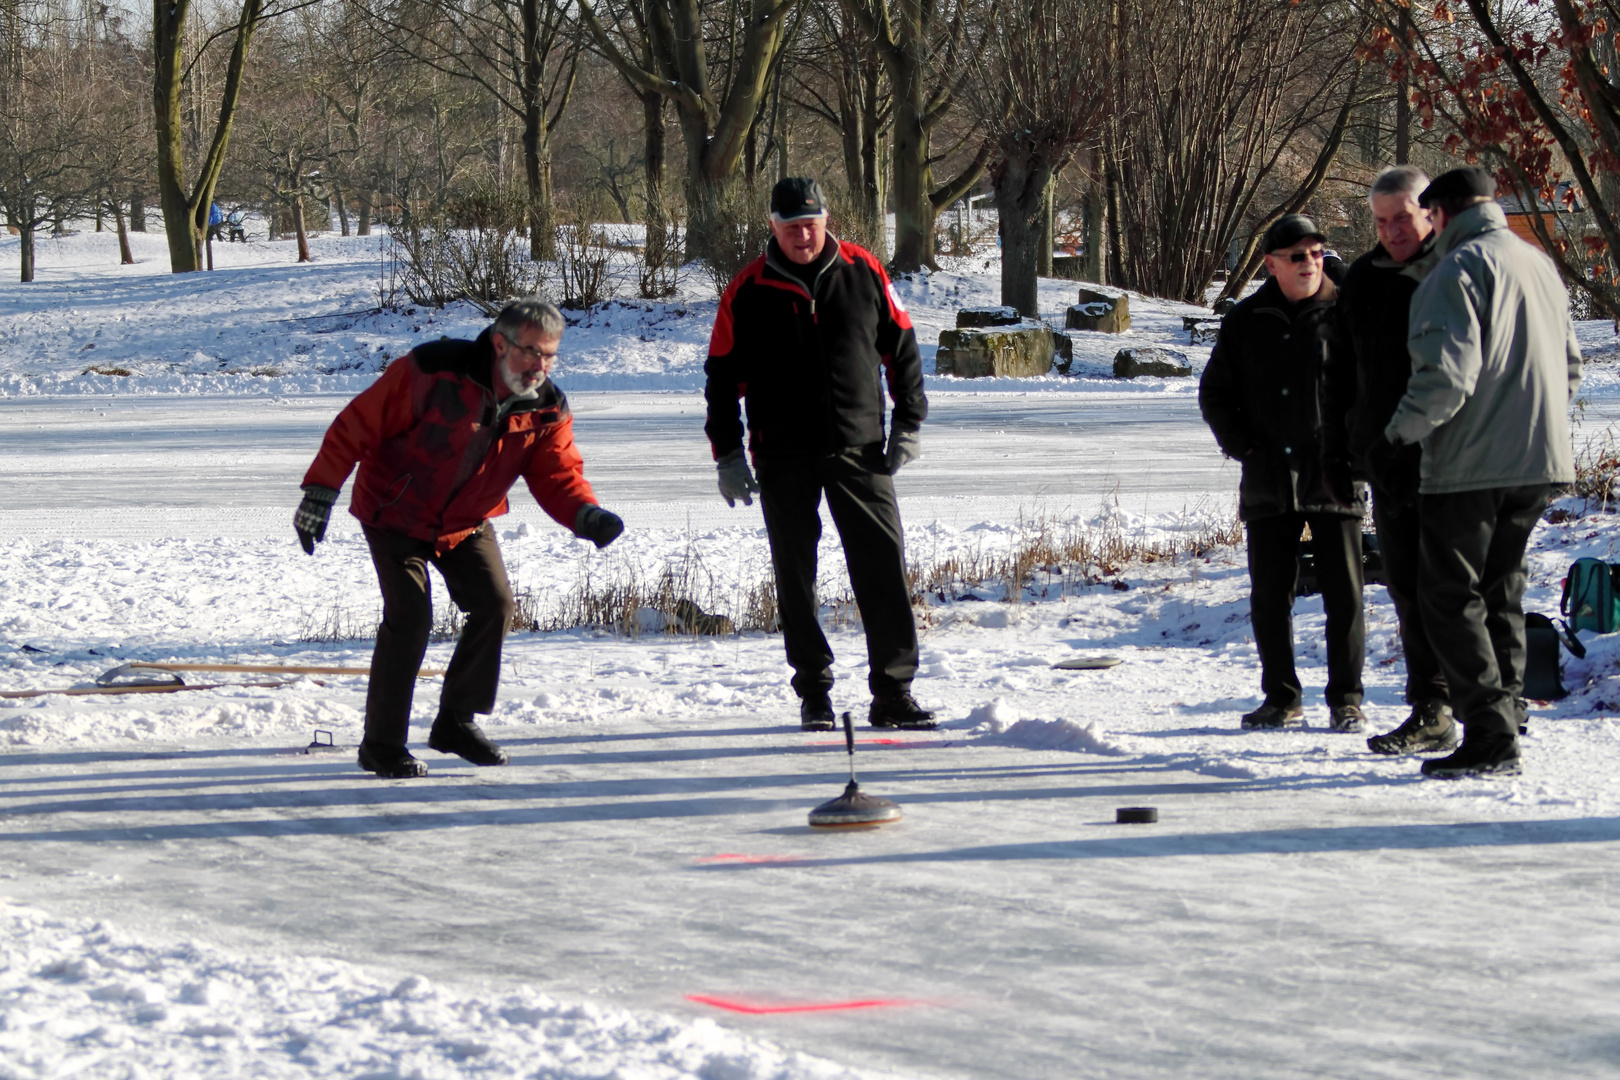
(476, 578)
(1472, 595)
(1399, 539)
(860, 495)
(1273, 580)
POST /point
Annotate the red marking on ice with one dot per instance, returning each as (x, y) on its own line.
(911, 744)
(730, 857)
(740, 1005)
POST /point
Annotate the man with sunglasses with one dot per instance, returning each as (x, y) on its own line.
(1495, 365)
(440, 438)
(1275, 393)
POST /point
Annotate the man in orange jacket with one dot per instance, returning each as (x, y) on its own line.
(440, 438)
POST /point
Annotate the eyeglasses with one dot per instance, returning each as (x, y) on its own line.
(532, 352)
(1315, 255)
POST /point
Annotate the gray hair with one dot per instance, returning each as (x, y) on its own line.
(529, 311)
(1408, 180)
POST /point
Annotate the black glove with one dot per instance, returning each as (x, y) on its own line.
(904, 447)
(597, 525)
(1393, 469)
(310, 519)
(736, 479)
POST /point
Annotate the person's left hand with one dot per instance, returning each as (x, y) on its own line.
(904, 448)
(312, 515)
(601, 527)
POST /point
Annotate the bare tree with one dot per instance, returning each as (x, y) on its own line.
(43, 123)
(841, 82)
(922, 43)
(520, 53)
(1044, 96)
(1220, 103)
(664, 46)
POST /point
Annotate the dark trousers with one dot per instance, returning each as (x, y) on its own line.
(1273, 582)
(861, 497)
(1472, 595)
(1399, 540)
(476, 578)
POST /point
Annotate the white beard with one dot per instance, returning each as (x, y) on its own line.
(514, 383)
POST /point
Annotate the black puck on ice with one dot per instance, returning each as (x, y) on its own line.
(1136, 815)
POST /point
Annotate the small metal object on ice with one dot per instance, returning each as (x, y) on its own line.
(1088, 663)
(316, 744)
(1136, 815)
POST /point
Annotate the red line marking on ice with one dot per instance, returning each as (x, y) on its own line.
(730, 857)
(739, 1005)
(910, 744)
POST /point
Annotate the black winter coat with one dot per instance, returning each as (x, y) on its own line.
(1372, 313)
(812, 369)
(1275, 393)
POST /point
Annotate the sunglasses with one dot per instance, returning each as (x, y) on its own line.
(1315, 255)
(530, 351)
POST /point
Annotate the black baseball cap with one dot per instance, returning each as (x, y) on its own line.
(1468, 182)
(1289, 230)
(797, 197)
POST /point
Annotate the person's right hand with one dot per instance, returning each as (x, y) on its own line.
(736, 479)
(310, 519)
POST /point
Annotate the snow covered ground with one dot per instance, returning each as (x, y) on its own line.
(193, 895)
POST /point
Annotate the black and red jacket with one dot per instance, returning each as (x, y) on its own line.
(437, 453)
(811, 363)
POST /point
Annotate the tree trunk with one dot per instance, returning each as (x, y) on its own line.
(1043, 257)
(298, 228)
(1116, 246)
(1403, 122)
(126, 257)
(1020, 183)
(913, 180)
(137, 212)
(363, 227)
(654, 250)
(100, 208)
(1092, 269)
(342, 209)
(185, 215)
(25, 251)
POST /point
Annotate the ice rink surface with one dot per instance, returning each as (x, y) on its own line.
(191, 894)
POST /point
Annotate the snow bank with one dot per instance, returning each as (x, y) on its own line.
(85, 999)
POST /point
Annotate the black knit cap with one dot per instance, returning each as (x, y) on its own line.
(797, 197)
(1289, 230)
(1468, 182)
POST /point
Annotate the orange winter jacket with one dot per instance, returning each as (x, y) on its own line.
(436, 454)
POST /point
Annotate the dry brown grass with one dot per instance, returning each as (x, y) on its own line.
(1059, 558)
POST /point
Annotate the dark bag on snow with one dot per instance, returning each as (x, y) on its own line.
(1542, 681)
(1591, 600)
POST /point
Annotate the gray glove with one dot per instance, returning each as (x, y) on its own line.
(736, 479)
(904, 446)
(601, 527)
(309, 520)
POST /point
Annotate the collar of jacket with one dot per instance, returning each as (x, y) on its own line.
(1269, 298)
(774, 260)
(1476, 220)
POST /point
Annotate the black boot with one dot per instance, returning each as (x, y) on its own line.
(1496, 754)
(1429, 728)
(900, 710)
(816, 713)
(455, 733)
(390, 762)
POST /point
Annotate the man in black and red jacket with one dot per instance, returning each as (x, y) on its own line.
(439, 439)
(807, 336)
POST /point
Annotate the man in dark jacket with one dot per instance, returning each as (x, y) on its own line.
(1495, 365)
(440, 438)
(808, 335)
(1373, 318)
(1275, 394)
